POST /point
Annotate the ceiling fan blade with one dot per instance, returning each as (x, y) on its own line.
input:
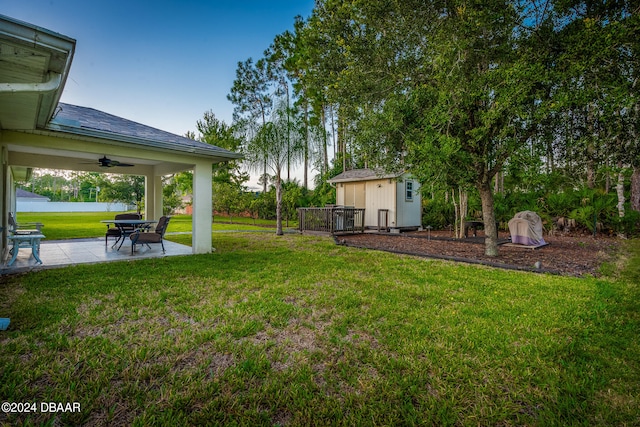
(117, 163)
(105, 162)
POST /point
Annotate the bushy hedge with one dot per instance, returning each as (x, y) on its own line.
(589, 209)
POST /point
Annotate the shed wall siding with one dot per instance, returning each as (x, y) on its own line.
(380, 195)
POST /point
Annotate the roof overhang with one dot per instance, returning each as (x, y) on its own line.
(35, 66)
(356, 175)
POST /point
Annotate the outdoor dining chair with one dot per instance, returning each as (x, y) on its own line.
(117, 231)
(141, 237)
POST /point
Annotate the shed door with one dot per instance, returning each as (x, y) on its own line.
(354, 195)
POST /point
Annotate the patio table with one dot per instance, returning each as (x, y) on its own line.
(31, 239)
(127, 226)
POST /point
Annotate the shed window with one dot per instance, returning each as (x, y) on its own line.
(408, 185)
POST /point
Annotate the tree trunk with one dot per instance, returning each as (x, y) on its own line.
(489, 219)
(621, 200)
(278, 205)
(635, 189)
(306, 146)
(456, 213)
(325, 163)
(461, 208)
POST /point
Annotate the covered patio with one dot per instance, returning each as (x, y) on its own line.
(38, 131)
(62, 253)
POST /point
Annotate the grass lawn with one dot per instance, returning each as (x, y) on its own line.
(58, 226)
(294, 330)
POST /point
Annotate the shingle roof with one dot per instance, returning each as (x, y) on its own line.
(28, 194)
(363, 175)
(90, 122)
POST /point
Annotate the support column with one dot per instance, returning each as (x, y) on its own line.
(202, 208)
(149, 197)
(158, 208)
(5, 187)
(153, 205)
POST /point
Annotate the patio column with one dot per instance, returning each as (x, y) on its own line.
(202, 208)
(5, 188)
(158, 201)
(152, 197)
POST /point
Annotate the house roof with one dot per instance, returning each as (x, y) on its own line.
(24, 194)
(89, 122)
(363, 175)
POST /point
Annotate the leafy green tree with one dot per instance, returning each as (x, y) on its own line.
(124, 189)
(227, 198)
(171, 195)
(216, 132)
(270, 147)
(252, 97)
(442, 89)
(292, 199)
(51, 185)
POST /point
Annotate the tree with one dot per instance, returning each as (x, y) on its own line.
(227, 198)
(216, 132)
(442, 89)
(251, 97)
(123, 188)
(269, 147)
(171, 199)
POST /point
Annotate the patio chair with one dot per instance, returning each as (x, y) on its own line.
(23, 228)
(141, 237)
(117, 231)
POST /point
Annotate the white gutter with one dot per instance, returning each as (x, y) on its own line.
(52, 84)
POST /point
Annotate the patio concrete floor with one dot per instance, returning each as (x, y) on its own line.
(61, 253)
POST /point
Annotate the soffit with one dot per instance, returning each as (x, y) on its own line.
(30, 55)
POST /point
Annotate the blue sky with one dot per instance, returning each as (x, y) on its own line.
(160, 63)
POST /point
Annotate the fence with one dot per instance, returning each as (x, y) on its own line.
(71, 207)
(332, 219)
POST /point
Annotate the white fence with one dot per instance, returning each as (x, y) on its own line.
(71, 207)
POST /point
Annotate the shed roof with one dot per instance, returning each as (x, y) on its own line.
(363, 175)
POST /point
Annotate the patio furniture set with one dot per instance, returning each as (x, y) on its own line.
(136, 229)
(130, 226)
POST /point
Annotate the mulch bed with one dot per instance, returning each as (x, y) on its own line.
(565, 254)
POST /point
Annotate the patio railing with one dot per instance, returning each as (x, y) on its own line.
(331, 219)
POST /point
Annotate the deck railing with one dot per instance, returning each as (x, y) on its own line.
(331, 219)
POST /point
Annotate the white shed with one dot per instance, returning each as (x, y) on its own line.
(390, 200)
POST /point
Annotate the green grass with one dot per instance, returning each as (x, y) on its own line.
(251, 221)
(74, 225)
(295, 330)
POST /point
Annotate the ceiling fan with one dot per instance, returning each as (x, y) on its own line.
(105, 162)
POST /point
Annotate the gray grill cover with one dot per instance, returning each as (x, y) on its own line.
(526, 229)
